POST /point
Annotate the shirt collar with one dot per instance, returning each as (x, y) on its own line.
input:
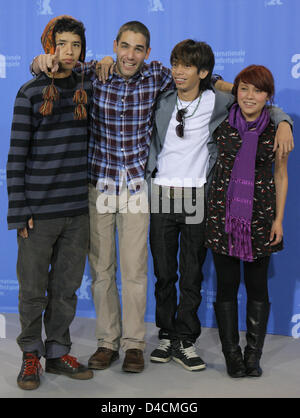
(143, 72)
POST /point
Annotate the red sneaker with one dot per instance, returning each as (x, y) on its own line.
(68, 366)
(29, 376)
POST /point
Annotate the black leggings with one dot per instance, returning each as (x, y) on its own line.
(229, 276)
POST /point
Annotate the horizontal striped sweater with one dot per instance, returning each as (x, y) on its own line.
(47, 160)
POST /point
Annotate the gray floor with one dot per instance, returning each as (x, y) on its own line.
(281, 365)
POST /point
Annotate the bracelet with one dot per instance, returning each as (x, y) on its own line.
(31, 67)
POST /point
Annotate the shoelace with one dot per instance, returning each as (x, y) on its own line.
(70, 361)
(32, 365)
(164, 345)
(189, 352)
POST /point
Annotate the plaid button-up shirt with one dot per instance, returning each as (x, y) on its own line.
(121, 126)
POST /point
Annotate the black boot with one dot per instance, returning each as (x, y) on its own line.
(257, 319)
(227, 319)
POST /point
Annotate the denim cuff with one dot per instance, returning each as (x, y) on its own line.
(55, 350)
(34, 346)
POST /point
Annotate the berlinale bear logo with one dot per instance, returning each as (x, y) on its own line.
(296, 328)
(2, 326)
(44, 7)
(274, 3)
(156, 6)
(296, 68)
(2, 66)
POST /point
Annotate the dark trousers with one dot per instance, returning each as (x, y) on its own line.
(50, 267)
(169, 232)
(229, 276)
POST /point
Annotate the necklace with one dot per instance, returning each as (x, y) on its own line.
(184, 109)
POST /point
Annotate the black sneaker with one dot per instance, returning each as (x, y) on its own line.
(184, 353)
(29, 376)
(162, 354)
(68, 366)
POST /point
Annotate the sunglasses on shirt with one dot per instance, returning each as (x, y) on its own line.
(180, 118)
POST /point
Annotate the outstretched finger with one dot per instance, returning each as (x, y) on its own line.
(42, 63)
(56, 60)
(57, 53)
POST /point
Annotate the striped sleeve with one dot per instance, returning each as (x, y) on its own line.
(89, 69)
(165, 76)
(18, 210)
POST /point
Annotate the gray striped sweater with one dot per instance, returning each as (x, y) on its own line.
(47, 160)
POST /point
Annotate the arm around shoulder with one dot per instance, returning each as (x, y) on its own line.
(284, 140)
(281, 187)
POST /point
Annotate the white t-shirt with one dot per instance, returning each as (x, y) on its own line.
(183, 162)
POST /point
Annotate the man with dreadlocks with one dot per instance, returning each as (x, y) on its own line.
(48, 203)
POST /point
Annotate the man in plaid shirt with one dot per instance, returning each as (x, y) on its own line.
(121, 127)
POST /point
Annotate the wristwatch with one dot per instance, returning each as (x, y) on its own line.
(31, 67)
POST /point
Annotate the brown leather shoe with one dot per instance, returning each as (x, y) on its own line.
(102, 358)
(134, 361)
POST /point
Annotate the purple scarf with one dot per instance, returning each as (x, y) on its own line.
(239, 200)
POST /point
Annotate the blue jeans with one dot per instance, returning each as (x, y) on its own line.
(50, 267)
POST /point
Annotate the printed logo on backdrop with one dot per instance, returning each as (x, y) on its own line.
(155, 6)
(91, 56)
(8, 61)
(2, 177)
(44, 7)
(8, 286)
(208, 297)
(225, 58)
(295, 68)
(2, 66)
(273, 3)
(2, 326)
(84, 290)
(296, 328)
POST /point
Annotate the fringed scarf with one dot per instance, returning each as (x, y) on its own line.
(239, 200)
(51, 93)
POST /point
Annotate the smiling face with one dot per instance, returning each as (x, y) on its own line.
(69, 51)
(251, 100)
(187, 79)
(131, 52)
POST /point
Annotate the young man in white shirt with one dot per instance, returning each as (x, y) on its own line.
(180, 165)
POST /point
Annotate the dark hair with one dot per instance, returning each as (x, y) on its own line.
(71, 25)
(195, 53)
(136, 27)
(258, 75)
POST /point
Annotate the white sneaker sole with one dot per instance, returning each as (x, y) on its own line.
(160, 360)
(189, 368)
